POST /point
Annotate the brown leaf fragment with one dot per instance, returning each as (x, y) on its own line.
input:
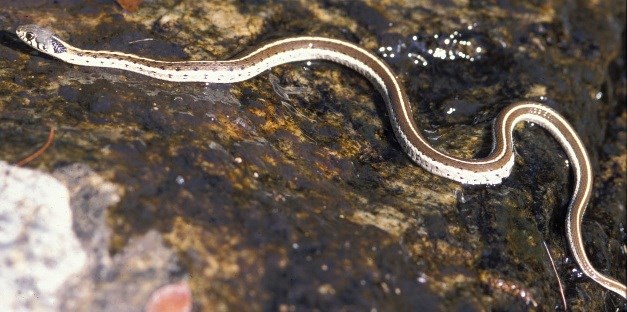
(129, 5)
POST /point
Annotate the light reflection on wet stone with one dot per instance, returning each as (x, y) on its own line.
(420, 49)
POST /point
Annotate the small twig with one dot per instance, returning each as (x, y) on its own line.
(141, 40)
(40, 151)
(559, 282)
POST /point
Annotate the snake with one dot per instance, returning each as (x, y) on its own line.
(489, 170)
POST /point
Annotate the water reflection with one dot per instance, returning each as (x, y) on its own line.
(466, 44)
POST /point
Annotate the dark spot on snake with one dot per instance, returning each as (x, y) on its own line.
(162, 67)
(178, 69)
(195, 68)
(169, 75)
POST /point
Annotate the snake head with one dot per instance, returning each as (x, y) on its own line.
(41, 38)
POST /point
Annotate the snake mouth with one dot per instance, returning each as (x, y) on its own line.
(22, 35)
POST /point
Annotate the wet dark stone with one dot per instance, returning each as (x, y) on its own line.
(102, 104)
(309, 202)
(436, 226)
(460, 110)
(18, 4)
(69, 93)
(367, 16)
(39, 65)
(7, 54)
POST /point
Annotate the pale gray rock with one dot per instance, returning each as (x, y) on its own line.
(122, 282)
(38, 249)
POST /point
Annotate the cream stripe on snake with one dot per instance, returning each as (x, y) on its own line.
(489, 170)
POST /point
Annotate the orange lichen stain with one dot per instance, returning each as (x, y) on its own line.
(269, 160)
(440, 249)
(129, 5)
(614, 168)
(326, 162)
(286, 148)
(225, 128)
(387, 219)
(259, 112)
(170, 298)
(219, 256)
(274, 122)
(241, 180)
(350, 147)
(330, 16)
(282, 124)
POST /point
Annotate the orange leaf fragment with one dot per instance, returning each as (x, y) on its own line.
(170, 298)
(129, 5)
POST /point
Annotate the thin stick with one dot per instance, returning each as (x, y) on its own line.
(559, 282)
(40, 151)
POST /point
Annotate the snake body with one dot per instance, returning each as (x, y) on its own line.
(489, 170)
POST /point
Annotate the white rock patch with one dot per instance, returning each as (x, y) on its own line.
(38, 249)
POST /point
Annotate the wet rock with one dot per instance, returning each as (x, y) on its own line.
(307, 201)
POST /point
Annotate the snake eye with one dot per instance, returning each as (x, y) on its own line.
(29, 36)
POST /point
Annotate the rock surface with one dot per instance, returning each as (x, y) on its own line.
(306, 201)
